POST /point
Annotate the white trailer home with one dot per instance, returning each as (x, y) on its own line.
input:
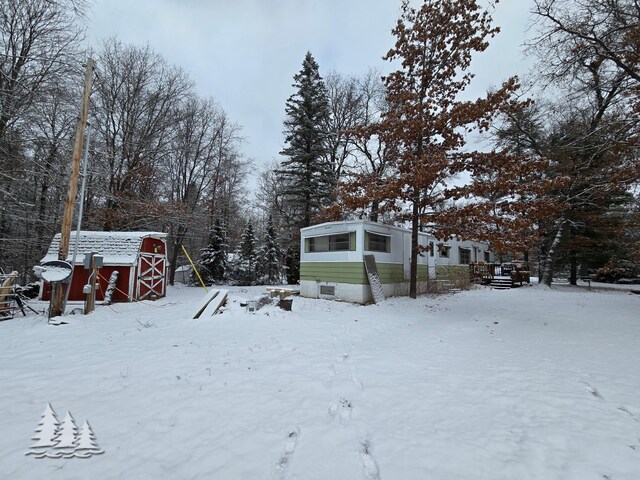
(332, 259)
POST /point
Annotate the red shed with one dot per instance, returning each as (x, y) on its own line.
(139, 257)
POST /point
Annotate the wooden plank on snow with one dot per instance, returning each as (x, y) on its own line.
(204, 303)
(215, 304)
(374, 279)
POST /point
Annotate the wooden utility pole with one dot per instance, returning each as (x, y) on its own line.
(58, 294)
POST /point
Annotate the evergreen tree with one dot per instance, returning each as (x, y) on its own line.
(292, 261)
(306, 173)
(270, 256)
(246, 257)
(306, 177)
(213, 258)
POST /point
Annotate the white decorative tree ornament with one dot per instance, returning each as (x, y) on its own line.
(62, 440)
(87, 442)
(66, 438)
(46, 433)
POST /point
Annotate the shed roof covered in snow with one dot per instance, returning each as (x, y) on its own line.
(117, 248)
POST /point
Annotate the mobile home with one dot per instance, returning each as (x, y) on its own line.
(332, 259)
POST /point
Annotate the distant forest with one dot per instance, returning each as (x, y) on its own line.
(555, 182)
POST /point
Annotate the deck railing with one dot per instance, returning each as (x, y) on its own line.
(485, 272)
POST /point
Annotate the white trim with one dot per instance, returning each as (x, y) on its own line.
(151, 274)
(378, 233)
(132, 273)
(347, 261)
(346, 232)
(365, 223)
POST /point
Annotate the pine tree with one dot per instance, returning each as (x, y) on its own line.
(270, 256)
(306, 173)
(213, 258)
(292, 262)
(246, 257)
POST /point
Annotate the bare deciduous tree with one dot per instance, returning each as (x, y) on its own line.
(137, 95)
(39, 41)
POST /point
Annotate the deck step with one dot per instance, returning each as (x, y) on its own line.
(501, 283)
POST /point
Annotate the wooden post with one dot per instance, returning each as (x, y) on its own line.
(58, 294)
(91, 301)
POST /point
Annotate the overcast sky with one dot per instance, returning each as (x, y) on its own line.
(244, 53)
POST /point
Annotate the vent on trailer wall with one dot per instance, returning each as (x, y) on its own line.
(327, 290)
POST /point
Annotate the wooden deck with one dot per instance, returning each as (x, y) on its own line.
(484, 273)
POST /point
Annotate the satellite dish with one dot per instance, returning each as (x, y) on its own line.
(56, 271)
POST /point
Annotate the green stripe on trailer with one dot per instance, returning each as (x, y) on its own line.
(349, 272)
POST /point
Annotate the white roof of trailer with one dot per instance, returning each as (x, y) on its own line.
(334, 226)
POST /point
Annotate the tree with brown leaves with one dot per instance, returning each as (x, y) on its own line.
(589, 51)
(426, 121)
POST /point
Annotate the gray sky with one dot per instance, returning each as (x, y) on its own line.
(244, 53)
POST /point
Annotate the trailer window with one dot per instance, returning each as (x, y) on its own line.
(331, 243)
(377, 243)
(465, 256)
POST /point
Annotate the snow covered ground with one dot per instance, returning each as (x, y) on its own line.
(532, 383)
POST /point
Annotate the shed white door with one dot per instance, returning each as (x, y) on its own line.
(151, 271)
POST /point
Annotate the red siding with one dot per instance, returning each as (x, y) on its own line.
(81, 276)
(152, 245)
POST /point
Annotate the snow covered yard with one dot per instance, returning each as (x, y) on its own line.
(522, 384)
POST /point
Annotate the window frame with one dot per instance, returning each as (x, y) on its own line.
(332, 243)
(467, 253)
(367, 242)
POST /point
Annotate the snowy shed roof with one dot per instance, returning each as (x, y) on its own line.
(117, 248)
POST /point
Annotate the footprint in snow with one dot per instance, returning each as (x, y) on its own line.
(357, 383)
(285, 458)
(624, 409)
(331, 373)
(341, 409)
(594, 391)
(369, 464)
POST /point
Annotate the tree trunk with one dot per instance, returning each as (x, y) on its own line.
(375, 210)
(573, 277)
(548, 265)
(174, 254)
(42, 201)
(413, 272)
(172, 264)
